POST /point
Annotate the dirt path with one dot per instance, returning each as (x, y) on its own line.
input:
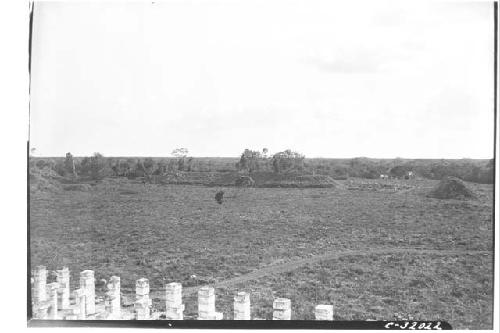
(289, 266)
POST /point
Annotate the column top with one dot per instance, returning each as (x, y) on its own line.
(242, 296)
(280, 303)
(324, 307)
(87, 273)
(173, 285)
(142, 282)
(206, 291)
(114, 279)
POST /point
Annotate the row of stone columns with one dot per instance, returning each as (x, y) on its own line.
(174, 308)
(52, 301)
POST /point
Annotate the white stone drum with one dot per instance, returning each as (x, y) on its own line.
(39, 285)
(323, 312)
(62, 277)
(242, 306)
(142, 302)
(87, 283)
(173, 301)
(206, 304)
(282, 309)
(112, 298)
(52, 287)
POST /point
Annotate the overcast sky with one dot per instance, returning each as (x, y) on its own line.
(328, 79)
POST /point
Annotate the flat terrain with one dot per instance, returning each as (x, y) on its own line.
(169, 232)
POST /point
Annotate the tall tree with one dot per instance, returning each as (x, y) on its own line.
(181, 154)
(249, 160)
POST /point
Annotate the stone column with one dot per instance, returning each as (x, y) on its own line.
(52, 288)
(63, 292)
(39, 285)
(70, 316)
(206, 304)
(112, 298)
(87, 283)
(282, 309)
(242, 306)
(173, 301)
(80, 303)
(40, 311)
(323, 312)
(142, 301)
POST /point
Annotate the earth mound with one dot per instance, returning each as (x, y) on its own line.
(451, 188)
(270, 179)
(257, 179)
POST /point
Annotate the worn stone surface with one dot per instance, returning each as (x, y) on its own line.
(80, 303)
(323, 312)
(87, 283)
(41, 310)
(63, 277)
(39, 285)
(142, 305)
(52, 295)
(173, 301)
(242, 306)
(112, 301)
(282, 309)
(206, 304)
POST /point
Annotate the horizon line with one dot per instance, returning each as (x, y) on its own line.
(270, 156)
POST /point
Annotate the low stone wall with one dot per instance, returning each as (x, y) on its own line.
(55, 301)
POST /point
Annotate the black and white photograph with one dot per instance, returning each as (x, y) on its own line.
(262, 164)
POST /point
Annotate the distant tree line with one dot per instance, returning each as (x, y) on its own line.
(97, 166)
(477, 171)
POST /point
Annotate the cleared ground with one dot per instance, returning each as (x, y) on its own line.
(170, 232)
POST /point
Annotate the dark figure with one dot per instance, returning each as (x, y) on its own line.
(219, 196)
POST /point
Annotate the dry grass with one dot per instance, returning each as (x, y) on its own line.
(457, 289)
(169, 232)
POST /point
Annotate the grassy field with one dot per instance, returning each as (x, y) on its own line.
(454, 288)
(170, 232)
